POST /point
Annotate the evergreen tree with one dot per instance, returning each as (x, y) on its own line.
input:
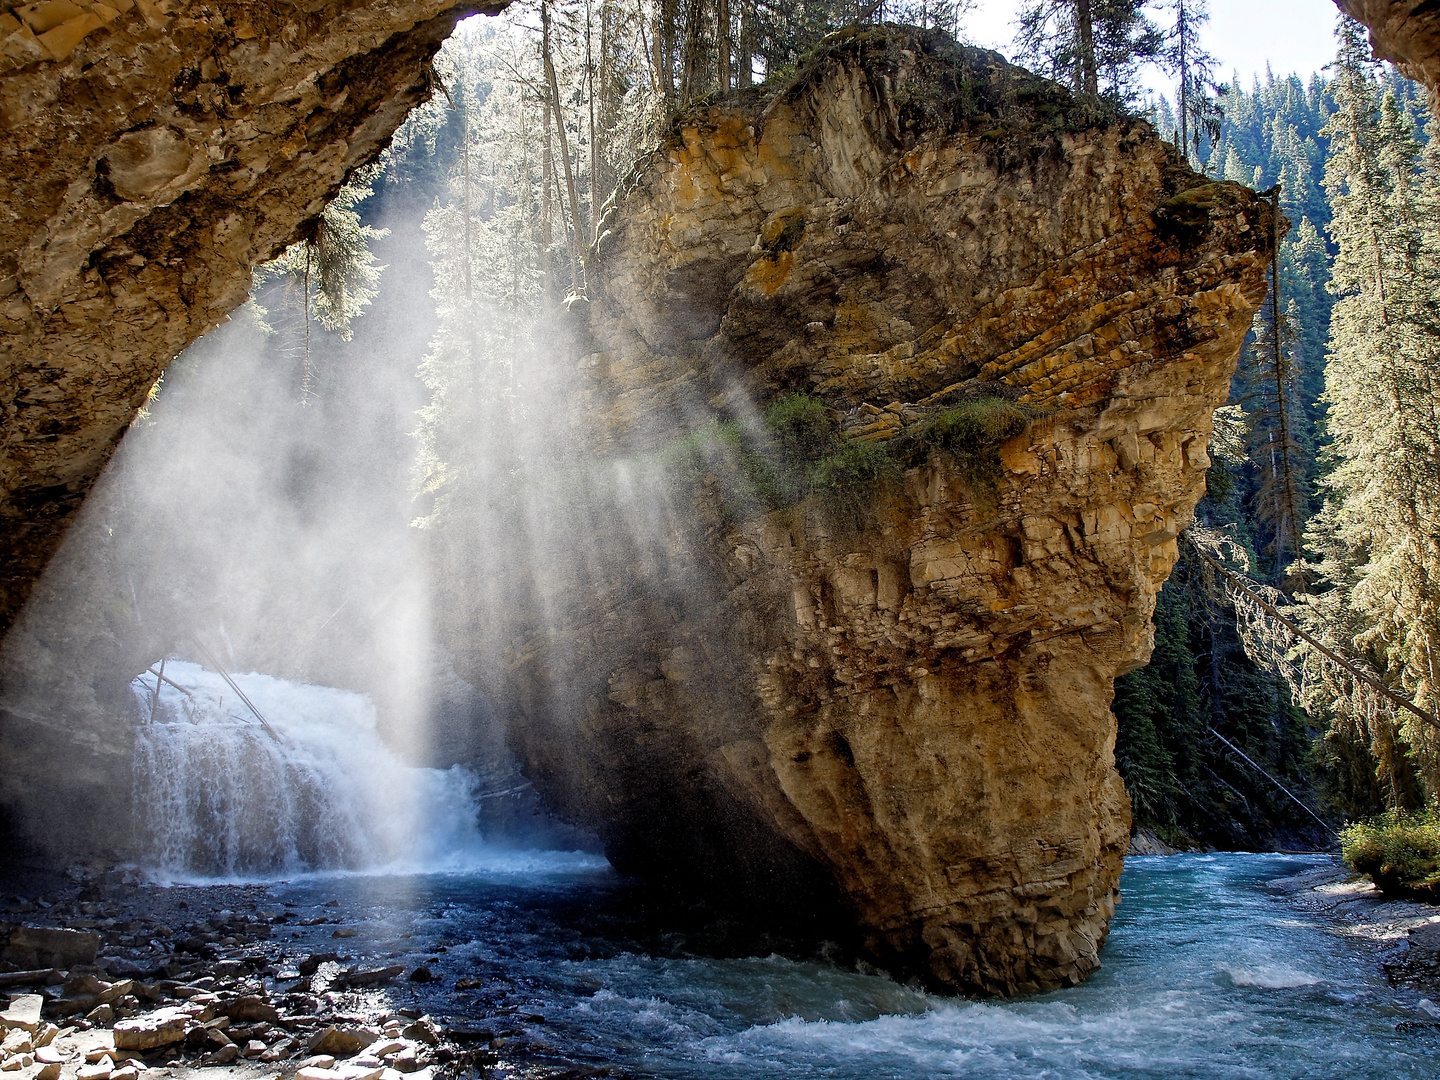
(1380, 538)
(1094, 46)
(1198, 112)
(331, 274)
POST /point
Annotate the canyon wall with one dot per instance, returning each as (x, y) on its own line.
(910, 716)
(151, 153)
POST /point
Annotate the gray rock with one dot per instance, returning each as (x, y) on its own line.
(371, 977)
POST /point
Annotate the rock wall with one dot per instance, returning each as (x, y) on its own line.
(914, 719)
(1405, 32)
(152, 152)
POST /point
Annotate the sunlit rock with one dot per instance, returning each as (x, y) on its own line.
(911, 718)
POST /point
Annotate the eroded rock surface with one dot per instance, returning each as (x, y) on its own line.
(151, 152)
(916, 718)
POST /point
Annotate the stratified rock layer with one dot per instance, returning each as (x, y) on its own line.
(918, 716)
(151, 152)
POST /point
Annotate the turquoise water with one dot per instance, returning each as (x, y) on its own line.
(1207, 973)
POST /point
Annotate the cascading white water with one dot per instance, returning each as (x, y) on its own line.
(217, 796)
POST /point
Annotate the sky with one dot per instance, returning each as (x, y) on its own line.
(1295, 36)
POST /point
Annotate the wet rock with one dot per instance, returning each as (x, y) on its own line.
(370, 976)
(50, 946)
(341, 1041)
(159, 1028)
(24, 1012)
(422, 974)
(311, 963)
(343, 932)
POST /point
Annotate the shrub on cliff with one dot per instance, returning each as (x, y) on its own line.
(1400, 852)
(971, 433)
(847, 483)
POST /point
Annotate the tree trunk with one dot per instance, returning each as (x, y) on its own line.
(722, 43)
(547, 229)
(571, 191)
(1089, 82)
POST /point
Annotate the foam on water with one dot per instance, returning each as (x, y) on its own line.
(218, 797)
(1206, 975)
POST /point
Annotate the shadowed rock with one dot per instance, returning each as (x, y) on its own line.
(910, 717)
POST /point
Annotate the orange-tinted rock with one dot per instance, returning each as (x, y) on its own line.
(915, 719)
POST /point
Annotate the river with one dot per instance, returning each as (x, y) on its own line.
(1207, 973)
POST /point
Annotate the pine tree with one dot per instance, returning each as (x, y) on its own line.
(1095, 46)
(1380, 539)
(1269, 390)
(331, 274)
(1198, 112)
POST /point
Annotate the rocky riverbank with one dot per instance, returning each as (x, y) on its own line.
(1408, 930)
(113, 980)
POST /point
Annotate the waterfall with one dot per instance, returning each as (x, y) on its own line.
(216, 795)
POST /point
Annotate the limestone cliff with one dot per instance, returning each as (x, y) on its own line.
(914, 716)
(151, 152)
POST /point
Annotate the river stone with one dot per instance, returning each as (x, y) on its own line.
(49, 1070)
(372, 976)
(341, 1042)
(24, 1012)
(1426, 937)
(159, 1028)
(50, 946)
(250, 1009)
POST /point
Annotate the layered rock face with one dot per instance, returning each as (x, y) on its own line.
(152, 152)
(1405, 32)
(915, 716)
